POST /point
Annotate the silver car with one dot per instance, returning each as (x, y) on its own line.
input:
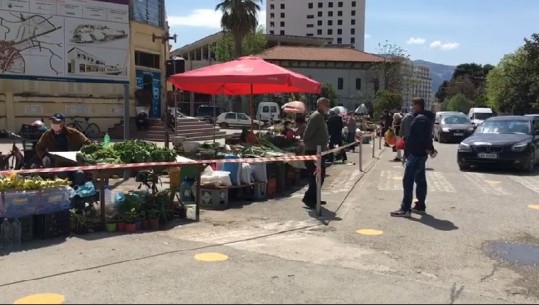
(452, 126)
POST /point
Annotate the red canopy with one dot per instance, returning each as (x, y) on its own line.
(245, 75)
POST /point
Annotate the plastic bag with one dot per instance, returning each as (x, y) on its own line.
(246, 176)
(217, 178)
(400, 144)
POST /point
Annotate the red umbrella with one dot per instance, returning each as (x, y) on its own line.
(245, 75)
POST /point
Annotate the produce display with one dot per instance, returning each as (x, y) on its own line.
(14, 182)
(131, 151)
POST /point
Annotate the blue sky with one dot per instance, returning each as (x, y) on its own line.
(442, 31)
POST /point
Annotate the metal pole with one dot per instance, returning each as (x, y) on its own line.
(319, 181)
(126, 112)
(361, 155)
(380, 142)
(373, 144)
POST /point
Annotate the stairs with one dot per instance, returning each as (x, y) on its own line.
(190, 128)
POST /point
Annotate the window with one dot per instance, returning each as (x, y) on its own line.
(330, 32)
(282, 15)
(330, 4)
(282, 6)
(149, 11)
(340, 83)
(282, 32)
(319, 22)
(339, 4)
(353, 21)
(309, 35)
(320, 5)
(320, 14)
(339, 13)
(352, 40)
(339, 40)
(339, 31)
(272, 24)
(358, 83)
(353, 3)
(319, 32)
(230, 116)
(272, 6)
(339, 22)
(353, 13)
(243, 117)
(310, 25)
(282, 24)
(353, 31)
(330, 14)
(272, 32)
(148, 60)
(330, 22)
(311, 5)
(310, 16)
(272, 15)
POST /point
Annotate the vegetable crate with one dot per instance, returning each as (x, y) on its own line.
(214, 198)
(52, 225)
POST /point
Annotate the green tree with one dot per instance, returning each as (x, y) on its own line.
(253, 43)
(239, 18)
(386, 99)
(459, 102)
(395, 70)
(328, 90)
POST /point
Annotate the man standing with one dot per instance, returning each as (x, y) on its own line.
(316, 134)
(418, 147)
(335, 127)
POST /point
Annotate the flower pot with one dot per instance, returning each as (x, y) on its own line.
(153, 224)
(120, 226)
(111, 227)
(130, 227)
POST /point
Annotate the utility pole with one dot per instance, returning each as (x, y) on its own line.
(164, 40)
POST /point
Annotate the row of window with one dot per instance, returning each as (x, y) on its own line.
(149, 11)
(319, 14)
(320, 5)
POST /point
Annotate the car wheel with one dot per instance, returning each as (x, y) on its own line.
(223, 125)
(464, 167)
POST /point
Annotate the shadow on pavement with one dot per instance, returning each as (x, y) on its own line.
(327, 215)
(438, 224)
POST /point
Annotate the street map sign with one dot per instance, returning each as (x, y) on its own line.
(70, 40)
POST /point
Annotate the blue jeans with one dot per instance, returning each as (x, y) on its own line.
(414, 172)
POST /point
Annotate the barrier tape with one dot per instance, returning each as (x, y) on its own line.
(157, 164)
(359, 138)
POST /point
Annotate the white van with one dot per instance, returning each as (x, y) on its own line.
(479, 115)
(268, 111)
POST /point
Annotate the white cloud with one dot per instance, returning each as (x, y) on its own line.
(206, 18)
(367, 36)
(414, 40)
(444, 46)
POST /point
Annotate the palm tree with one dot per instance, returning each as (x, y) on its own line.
(239, 18)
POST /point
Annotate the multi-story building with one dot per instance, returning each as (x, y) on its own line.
(418, 85)
(341, 20)
(81, 66)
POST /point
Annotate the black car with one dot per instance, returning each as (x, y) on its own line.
(511, 141)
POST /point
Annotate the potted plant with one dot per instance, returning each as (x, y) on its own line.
(80, 221)
(130, 218)
(153, 219)
(111, 225)
(120, 225)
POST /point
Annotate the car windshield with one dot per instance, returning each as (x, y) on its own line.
(505, 127)
(482, 116)
(242, 116)
(456, 119)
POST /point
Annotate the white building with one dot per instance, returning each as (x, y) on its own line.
(341, 20)
(419, 85)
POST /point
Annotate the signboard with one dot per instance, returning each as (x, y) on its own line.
(65, 40)
(151, 83)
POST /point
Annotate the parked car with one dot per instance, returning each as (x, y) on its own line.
(208, 113)
(511, 141)
(451, 125)
(235, 119)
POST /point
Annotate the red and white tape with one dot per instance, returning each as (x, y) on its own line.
(101, 167)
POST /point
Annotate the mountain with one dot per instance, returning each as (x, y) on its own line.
(438, 72)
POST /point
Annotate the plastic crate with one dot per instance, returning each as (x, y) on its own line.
(27, 228)
(52, 225)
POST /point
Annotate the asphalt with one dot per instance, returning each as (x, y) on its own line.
(279, 252)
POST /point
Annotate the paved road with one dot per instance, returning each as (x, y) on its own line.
(278, 252)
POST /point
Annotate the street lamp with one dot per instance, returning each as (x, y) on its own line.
(164, 40)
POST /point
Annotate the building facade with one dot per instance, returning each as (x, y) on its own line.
(24, 100)
(418, 85)
(341, 20)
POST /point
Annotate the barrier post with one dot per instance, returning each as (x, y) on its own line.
(319, 181)
(380, 142)
(373, 144)
(360, 155)
(197, 201)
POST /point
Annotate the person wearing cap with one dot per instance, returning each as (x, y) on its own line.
(60, 138)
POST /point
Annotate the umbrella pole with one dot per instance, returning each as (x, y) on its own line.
(251, 107)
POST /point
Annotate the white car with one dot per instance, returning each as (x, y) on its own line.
(236, 119)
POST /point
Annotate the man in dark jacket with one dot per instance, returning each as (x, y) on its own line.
(418, 148)
(335, 127)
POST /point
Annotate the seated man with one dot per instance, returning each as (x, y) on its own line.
(61, 138)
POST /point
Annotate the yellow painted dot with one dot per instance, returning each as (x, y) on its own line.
(534, 206)
(211, 257)
(42, 298)
(370, 232)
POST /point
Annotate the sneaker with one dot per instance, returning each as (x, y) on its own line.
(400, 213)
(419, 208)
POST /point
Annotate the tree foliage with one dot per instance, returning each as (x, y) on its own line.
(513, 85)
(386, 100)
(328, 90)
(253, 43)
(394, 71)
(468, 79)
(239, 18)
(458, 102)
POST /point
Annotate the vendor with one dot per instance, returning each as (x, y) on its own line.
(60, 138)
(288, 133)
